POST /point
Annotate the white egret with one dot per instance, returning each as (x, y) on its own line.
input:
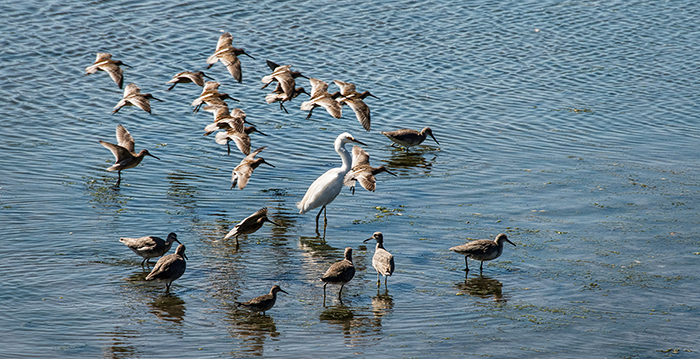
(325, 188)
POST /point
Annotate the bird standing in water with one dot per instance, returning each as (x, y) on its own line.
(407, 138)
(340, 272)
(262, 303)
(250, 224)
(382, 261)
(124, 153)
(169, 268)
(150, 247)
(482, 250)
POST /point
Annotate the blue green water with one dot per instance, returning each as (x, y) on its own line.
(569, 126)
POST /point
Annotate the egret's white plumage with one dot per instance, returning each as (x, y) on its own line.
(325, 188)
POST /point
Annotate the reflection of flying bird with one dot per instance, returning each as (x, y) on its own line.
(482, 250)
(104, 62)
(134, 97)
(382, 261)
(362, 171)
(340, 272)
(228, 55)
(241, 174)
(124, 153)
(169, 268)
(262, 303)
(188, 77)
(250, 224)
(325, 188)
(150, 247)
(407, 138)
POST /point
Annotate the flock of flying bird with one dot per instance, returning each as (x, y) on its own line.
(355, 167)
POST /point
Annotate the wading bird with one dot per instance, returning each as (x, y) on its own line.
(482, 250)
(124, 153)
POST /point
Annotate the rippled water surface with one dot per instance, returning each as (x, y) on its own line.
(570, 126)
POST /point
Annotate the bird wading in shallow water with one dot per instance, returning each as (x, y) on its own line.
(250, 224)
(325, 188)
(482, 250)
(169, 268)
(150, 247)
(382, 261)
(262, 303)
(408, 138)
(339, 273)
(124, 153)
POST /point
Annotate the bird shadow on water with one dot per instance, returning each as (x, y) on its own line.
(483, 287)
(400, 159)
(169, 307)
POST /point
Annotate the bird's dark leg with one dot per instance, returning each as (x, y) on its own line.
(119, 178)
(341, 290)
(324, 294)
(319, 215)
(283, 108)
(481, 267)
(167, 287)
(378, 281)
(385, 278)
(309, 115)
(466, 264)
(228, 146)
(325, 220)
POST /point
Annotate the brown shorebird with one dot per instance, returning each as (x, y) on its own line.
(278, 95)
(241, 174)
(325, 188)
(169, 268)
(482, 250)
(250, 224)
(382, 261)
(188, 77)
(339, 273)
(361, 171)
(211, 96)
(262, 303)
(408, 138)
(228, 56)
(124, 153)
(355, 99)
(270, 78)
(241, 139)
(134, 97)
(104, 62)
(150, 247)
(321, 98)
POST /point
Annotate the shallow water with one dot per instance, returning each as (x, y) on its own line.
(569, 126)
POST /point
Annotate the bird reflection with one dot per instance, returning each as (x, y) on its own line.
(382, 304)
(120, 343)
(252, 329)
(415, 159)
(482, 287)
(338, 315)
(168, 307)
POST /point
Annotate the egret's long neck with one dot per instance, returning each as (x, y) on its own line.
(344, 155)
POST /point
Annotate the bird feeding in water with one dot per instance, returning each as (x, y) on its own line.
(262, 303)
(482, 250)
(169, 268)
(150, 247)
(124, 153)
(340, 272)
(361, 171)
(250, 224)
(134, 97)
(241, 174)
(325, 188)
(104, 62)
(407, 138)
(228, 55)
(382, 261)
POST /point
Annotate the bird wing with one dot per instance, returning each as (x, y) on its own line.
(359, 156)
(318, 87)
(120, 153)
(119, 105)
(361, 111)
(124, 138)
(330, 105)
(115, 72)
(141, 102)
(225, 40)
(242, 141)
(131, 89)
(346, 88)
(243, 172)
(366, 179)
(233, 64)
(271, 65)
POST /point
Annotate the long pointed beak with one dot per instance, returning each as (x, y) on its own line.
(282, 290)
(260, 132)
(185, 255)
(368, 239)
(245, 53)
(369, 94)
(157, 99)
(205, 75)
(177, 241)
(354, 140)
(276, 224)
(123, 64)
(434, 139)
(389, 172)
(511, 243)
(157, 159)
(267, 163)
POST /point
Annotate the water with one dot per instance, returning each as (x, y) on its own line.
(578, 141)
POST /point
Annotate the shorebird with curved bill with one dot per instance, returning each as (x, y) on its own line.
(169, 268)
(134, 97)
(228, 55)
(211, 96)
(150, 247)
(185, 77)
(356, 102)
(361, 171)
(407, 138)
(382, 261)
(262, 303)
(280, 96)
(241, 174)
(340, 272)
(321, 98)
(250, 224)
(325, 188)
(124, 153)
(104, 62)
(482, 250)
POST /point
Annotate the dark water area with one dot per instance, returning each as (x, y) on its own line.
(569, 126)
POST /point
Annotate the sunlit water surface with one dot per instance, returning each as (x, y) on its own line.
(570, 126)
